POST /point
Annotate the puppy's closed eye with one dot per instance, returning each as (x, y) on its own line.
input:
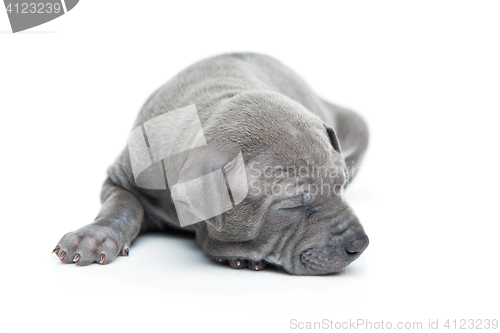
(291, 203)
(296, 205)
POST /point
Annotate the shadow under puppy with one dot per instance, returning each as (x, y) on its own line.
(293, 213)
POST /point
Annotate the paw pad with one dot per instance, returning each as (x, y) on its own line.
(92, 243)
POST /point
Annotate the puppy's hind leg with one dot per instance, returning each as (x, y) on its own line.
(117, 224)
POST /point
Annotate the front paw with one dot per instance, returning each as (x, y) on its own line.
(92, 243)
(239, 263)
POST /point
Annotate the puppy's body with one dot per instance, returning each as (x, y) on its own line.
(256, 104)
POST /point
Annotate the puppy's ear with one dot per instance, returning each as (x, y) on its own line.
(210, 183)
(202, 199)
(333, 138)
(235, 179)
(217, 222)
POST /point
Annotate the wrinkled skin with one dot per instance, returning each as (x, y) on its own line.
(300, 153)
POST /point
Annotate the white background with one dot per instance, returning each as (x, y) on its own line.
(424, 74)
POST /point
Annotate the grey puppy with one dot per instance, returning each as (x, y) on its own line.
(254, 103)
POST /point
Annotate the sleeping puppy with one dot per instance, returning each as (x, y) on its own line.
(270, 166)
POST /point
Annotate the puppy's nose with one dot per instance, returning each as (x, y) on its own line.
(358, 245)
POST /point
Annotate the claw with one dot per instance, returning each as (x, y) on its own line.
(125, 251)
(102, 257)
(221, 260)
(237, 263)
(56, 250)
(77, 257)
(257, 265)
(63, 255)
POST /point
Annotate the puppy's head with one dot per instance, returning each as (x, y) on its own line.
(285, 176)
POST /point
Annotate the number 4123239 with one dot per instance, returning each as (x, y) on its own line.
(34, 8)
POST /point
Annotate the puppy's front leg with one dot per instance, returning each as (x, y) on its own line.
(117, 224)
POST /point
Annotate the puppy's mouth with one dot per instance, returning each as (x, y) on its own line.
(327, 260)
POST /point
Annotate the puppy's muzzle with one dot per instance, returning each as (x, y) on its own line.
(337, 254)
